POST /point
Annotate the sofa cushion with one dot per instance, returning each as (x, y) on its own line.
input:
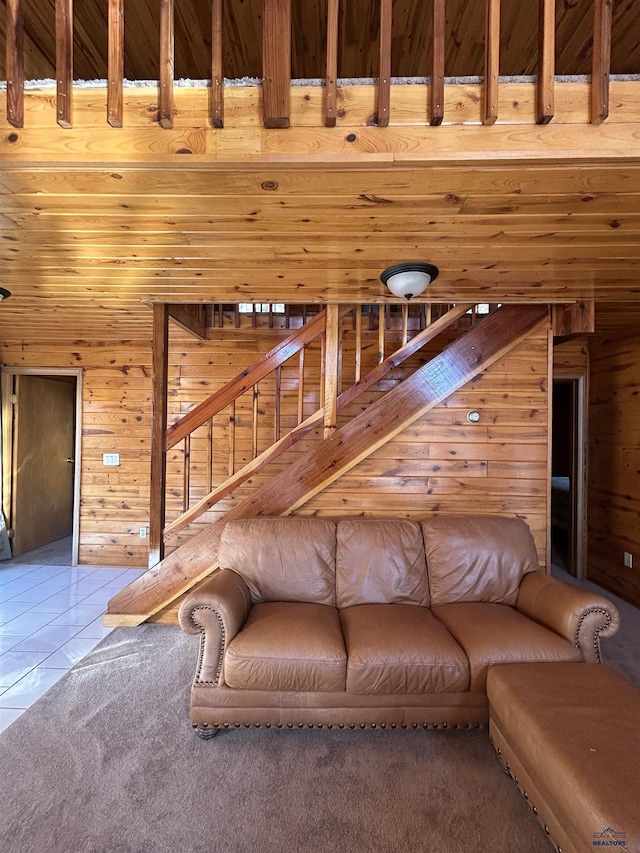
(288, 646)
(477, 558)
(497, 633)
(282, 559)
(400, 648)
(380, 561)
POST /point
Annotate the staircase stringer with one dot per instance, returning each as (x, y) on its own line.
(432, 383)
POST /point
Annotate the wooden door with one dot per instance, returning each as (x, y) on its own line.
(42, 461)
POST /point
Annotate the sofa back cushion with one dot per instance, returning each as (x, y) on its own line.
(477, 558)
(282, 559)
(380, 561)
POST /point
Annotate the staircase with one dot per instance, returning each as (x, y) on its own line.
(338, 449)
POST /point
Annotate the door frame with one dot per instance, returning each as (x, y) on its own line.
(578, 533)
(7, 439)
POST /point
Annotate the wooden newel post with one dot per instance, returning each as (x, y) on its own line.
(160, 362)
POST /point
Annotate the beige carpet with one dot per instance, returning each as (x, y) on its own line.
(107, 762)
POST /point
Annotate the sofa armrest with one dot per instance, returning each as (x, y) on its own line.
(580, 616)
(216, 609)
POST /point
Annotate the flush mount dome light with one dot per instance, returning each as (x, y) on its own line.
(410, 279)
(4, 294)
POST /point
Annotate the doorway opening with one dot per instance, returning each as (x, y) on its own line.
(41, 431)
(568, 473)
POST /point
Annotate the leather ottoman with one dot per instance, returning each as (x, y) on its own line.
(568, 733)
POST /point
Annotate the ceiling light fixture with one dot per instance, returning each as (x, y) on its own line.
(4, 294)
(409, 279)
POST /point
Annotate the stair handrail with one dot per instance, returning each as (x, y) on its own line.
(249, 377)
(314, 420)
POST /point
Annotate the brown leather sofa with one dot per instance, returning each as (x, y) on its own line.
(376, 622)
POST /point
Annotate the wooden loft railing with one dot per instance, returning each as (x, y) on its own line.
(276, 63)
(340, 451)
(311, 376)
(205, 321)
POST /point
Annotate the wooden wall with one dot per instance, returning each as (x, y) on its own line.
(442, 463)
(445, 464)
(614, 462)
(116, 418)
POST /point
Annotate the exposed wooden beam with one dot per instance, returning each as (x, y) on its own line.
(546, 60)
(64, 62)
(384, 82)
(330, 459)
(160, 378)
(15, 62)
(331, 108)
(217, 71)
(437, 68)
(167, 50)
(115, 70)
(601, 61)
(578, 318)
(491, 62)
(276, 63)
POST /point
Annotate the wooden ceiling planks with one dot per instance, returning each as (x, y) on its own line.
(136, 223)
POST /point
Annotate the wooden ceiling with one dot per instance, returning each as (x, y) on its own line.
(96, 222)
(359, 35)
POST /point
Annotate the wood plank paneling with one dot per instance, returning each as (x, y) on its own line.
(331, 459)
(444, 464)
(508, 442)
(614, 463)
(114, 501)
(108, 239)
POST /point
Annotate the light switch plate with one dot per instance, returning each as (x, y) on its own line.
(110, 458)
(628, 560)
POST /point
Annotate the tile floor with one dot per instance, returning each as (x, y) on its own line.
(50, 617)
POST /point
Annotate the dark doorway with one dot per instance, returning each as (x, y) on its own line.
(568, 522)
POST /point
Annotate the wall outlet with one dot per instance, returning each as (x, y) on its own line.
(143, 532)
(110, 458)
(628, 560)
